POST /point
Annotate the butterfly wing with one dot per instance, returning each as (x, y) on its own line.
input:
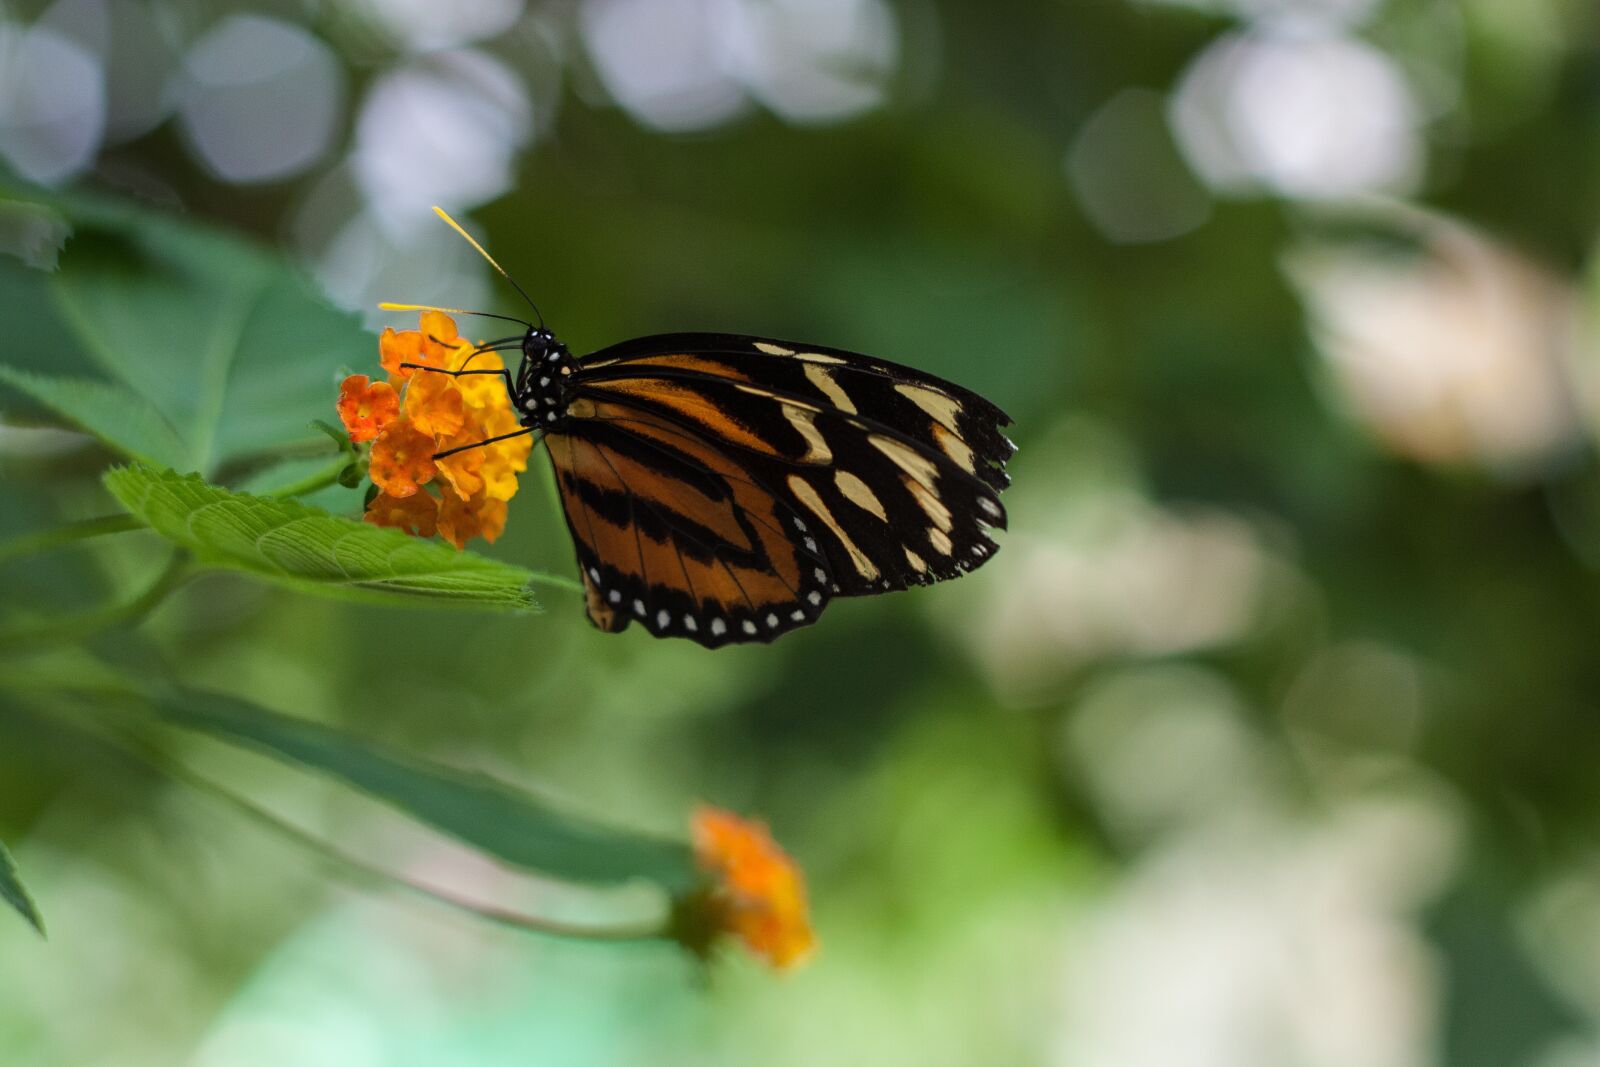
(919, 406)
(887, 505)
(672, 532)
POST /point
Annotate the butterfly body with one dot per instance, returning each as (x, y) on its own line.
(539, 393)
(725, 488)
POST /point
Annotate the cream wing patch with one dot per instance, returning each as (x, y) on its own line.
(860, 494)
(808, 496)
(822, 378)
(941, 408)
(805, 422)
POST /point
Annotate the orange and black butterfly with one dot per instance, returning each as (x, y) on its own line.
(724, 488)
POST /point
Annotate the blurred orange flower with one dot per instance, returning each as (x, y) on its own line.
(437, 413)
(758, 892)
(366, 406)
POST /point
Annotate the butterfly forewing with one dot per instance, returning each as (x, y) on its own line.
(931, 411)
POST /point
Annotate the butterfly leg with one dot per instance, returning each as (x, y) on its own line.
(486, 441)
(504, 374)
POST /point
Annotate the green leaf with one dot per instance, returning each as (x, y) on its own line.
(13, 893)
(224, 341)
(301, 547)
(518, 827)
(121, 419)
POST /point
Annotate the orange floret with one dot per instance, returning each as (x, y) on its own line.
(462, 520)
(758, 893)
(402, 459)
(430, 346)
(434, 405)
(417, 514)
(366, 406)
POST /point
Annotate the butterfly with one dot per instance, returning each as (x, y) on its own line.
(724, 488)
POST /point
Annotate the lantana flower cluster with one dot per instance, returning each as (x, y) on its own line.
(415, 414)
(756, 892)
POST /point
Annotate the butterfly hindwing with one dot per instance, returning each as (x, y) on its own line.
(673, 534)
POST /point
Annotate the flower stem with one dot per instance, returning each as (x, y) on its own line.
(319, 479)
(70, 533)
(362, 870)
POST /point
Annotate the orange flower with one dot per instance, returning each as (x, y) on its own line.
(440, 412)
(366, 407)
(417, 514)
(431, 346)
(402, 459)
(758, 893)
(434, 405)
(462, 520)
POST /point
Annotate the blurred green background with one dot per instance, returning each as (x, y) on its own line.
(1270, 737)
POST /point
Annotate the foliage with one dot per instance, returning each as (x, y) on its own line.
(214, 356)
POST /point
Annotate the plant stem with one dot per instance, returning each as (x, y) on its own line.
(70, 533)
(76, 627)
(320, 479)
(361, 869)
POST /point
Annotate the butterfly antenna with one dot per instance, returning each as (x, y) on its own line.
(456, 226)
(386, 306)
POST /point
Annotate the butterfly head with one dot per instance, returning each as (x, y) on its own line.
(542, 378)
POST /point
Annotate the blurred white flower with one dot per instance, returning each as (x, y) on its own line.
(1093, 569)
(262, 99)
(813, 60)
(1307, 115)
(693, 64)
(1320, 12)
(364, 262)
(1128, 176)
(52, 103)
(444, 129)
(1257, 941)
(1159, 747)
(426, 24)
(1458, 352)
(136, 54)
(1560, 926)
(660, 60)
